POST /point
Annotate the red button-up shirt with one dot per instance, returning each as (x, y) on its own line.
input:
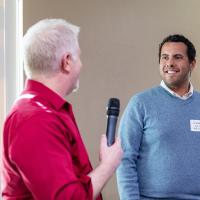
(44, 157)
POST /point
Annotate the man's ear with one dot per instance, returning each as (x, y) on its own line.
(193, 64)
(66, 63)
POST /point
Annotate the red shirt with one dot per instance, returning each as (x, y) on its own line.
(44, 157)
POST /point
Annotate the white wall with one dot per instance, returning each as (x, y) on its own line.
(11, 72)
(2, 65)
(2, 99)
(11, 76)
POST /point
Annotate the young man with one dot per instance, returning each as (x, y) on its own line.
(160, 132)
(44, 157)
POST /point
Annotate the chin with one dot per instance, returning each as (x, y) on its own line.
(76, 87)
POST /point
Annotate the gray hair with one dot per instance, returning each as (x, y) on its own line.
(45, 43)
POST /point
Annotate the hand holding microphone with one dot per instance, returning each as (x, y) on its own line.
(110, 150)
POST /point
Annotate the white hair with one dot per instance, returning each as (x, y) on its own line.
(45, 43)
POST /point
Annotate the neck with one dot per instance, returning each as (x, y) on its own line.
(57, 83)
(180, 90)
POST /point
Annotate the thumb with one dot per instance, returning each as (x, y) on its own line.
(103, 141)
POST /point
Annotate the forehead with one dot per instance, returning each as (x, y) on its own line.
(174, 48)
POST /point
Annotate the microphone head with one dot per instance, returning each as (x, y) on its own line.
(113, 107)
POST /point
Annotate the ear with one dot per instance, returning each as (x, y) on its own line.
(193, 64)
(66, 63)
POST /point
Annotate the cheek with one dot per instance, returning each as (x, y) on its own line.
(184, 67)
(161, 68)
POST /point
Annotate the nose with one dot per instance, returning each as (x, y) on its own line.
(170, 62)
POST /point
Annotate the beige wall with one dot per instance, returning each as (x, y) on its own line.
(119, 42)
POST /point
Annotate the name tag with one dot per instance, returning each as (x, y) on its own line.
(195, 125)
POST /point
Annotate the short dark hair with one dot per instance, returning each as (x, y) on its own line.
(191, 51)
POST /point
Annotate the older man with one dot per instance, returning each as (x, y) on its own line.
(44, 156)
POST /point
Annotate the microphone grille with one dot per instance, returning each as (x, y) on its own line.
(113, 106)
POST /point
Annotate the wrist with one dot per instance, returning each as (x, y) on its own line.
(107, 167)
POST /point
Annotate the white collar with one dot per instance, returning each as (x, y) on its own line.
(184, 97)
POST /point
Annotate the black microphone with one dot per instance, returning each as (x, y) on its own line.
(112, 115)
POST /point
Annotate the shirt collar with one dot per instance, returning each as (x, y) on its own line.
(35, 87)
(184, 97)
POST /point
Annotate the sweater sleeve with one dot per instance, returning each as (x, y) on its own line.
(42, 155)
(130, 131)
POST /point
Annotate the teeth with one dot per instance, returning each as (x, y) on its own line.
(171, 72)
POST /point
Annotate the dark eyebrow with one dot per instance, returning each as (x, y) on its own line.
(178, 56)
(164, 54)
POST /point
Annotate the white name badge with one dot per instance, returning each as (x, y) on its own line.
(195, 125)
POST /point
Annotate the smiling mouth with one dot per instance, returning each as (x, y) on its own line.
(171, 71)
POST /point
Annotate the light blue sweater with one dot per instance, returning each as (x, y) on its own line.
(161, 152)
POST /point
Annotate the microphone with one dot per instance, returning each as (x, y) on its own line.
(112, 115)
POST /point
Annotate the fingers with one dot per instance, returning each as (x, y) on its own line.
(118, 141)
(104, 141)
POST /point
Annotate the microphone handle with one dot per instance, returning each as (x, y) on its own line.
(110, 130)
